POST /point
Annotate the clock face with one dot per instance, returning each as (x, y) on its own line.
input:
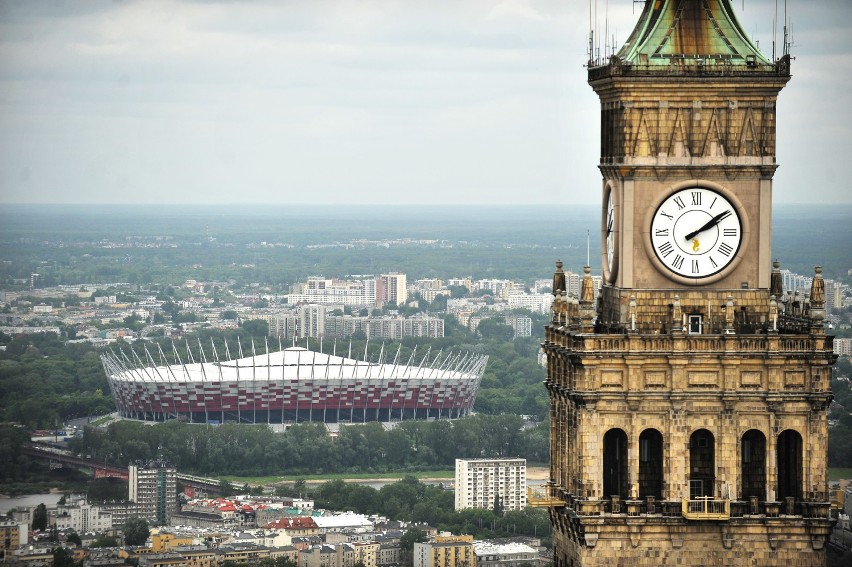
(696, 232)
(610, 231)
(610, 256)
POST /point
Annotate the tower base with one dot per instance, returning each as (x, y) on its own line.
(583, 541)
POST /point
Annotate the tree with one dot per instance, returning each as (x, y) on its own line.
(74, 538)
(406, 545)
(136, 531)
(62, 557)
(498, 504)
(256, 327)
(40, 518)
(493, 328)
(226, 488)
(229, 314)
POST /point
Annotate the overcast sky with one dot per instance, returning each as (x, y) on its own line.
(355, 101)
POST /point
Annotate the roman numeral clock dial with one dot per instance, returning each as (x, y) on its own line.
(696, 233)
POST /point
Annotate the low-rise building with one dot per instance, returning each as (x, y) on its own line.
(490, 554)
(445, 551)
(325, 555)
(10, 536)
(81, 517)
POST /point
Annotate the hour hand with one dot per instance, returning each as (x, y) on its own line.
(709, 224)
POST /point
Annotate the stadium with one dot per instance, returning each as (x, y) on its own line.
(293, 385)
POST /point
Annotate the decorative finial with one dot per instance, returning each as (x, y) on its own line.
(558, 278)
(817, 304)
(776, 282)
(587, 290)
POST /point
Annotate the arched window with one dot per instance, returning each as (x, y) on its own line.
(789, 459)
(615, 464)
(753, 465)
(651, 464)
(702, 464)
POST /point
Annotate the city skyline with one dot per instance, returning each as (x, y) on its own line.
(337, 103)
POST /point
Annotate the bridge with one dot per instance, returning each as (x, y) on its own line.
(59, 458)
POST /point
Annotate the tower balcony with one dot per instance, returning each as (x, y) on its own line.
(706, 508)
(544, 496)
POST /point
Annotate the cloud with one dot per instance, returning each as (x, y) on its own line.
(341, 101)
(517, 9)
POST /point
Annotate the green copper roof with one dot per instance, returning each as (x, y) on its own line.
(672, 30)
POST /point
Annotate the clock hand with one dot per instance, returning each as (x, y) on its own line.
(710, 224)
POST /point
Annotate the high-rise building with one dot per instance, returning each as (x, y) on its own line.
(482, 483)
(689, 404)
(153, 487)
(391, 288)
(312, 321)
(283, 325)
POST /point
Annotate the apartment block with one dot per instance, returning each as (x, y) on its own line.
(153, 487)
(482, 482)
(10, 537)
(445, 551)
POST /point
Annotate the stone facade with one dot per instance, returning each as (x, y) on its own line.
(688, 414)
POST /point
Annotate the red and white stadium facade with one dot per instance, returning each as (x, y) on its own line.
(294, 385)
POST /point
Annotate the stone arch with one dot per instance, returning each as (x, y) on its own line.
(702, 463)
(753, 465)
(651, 464)
(788, 451)
(615, 474)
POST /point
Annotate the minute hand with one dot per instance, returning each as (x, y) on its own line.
(711, 223)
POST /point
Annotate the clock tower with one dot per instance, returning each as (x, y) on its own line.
(689, 402)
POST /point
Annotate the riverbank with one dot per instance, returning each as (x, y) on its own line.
(434, 477)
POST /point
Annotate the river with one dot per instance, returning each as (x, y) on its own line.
(27, 500)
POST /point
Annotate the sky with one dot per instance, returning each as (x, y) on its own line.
(357, 101)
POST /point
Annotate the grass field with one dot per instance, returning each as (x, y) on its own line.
(319, 478)
(837, 474)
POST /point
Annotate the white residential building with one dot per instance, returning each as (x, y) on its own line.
(312, 320)
(481, 482)
(535, 302)
(153, 487)
(82, 517)
(330, 291)
(521, 324)
(843, 347)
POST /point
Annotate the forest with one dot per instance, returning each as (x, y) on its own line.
(305, 449)
(278, 246)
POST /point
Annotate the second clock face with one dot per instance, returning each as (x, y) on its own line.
(609, 229)
(696, 232)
